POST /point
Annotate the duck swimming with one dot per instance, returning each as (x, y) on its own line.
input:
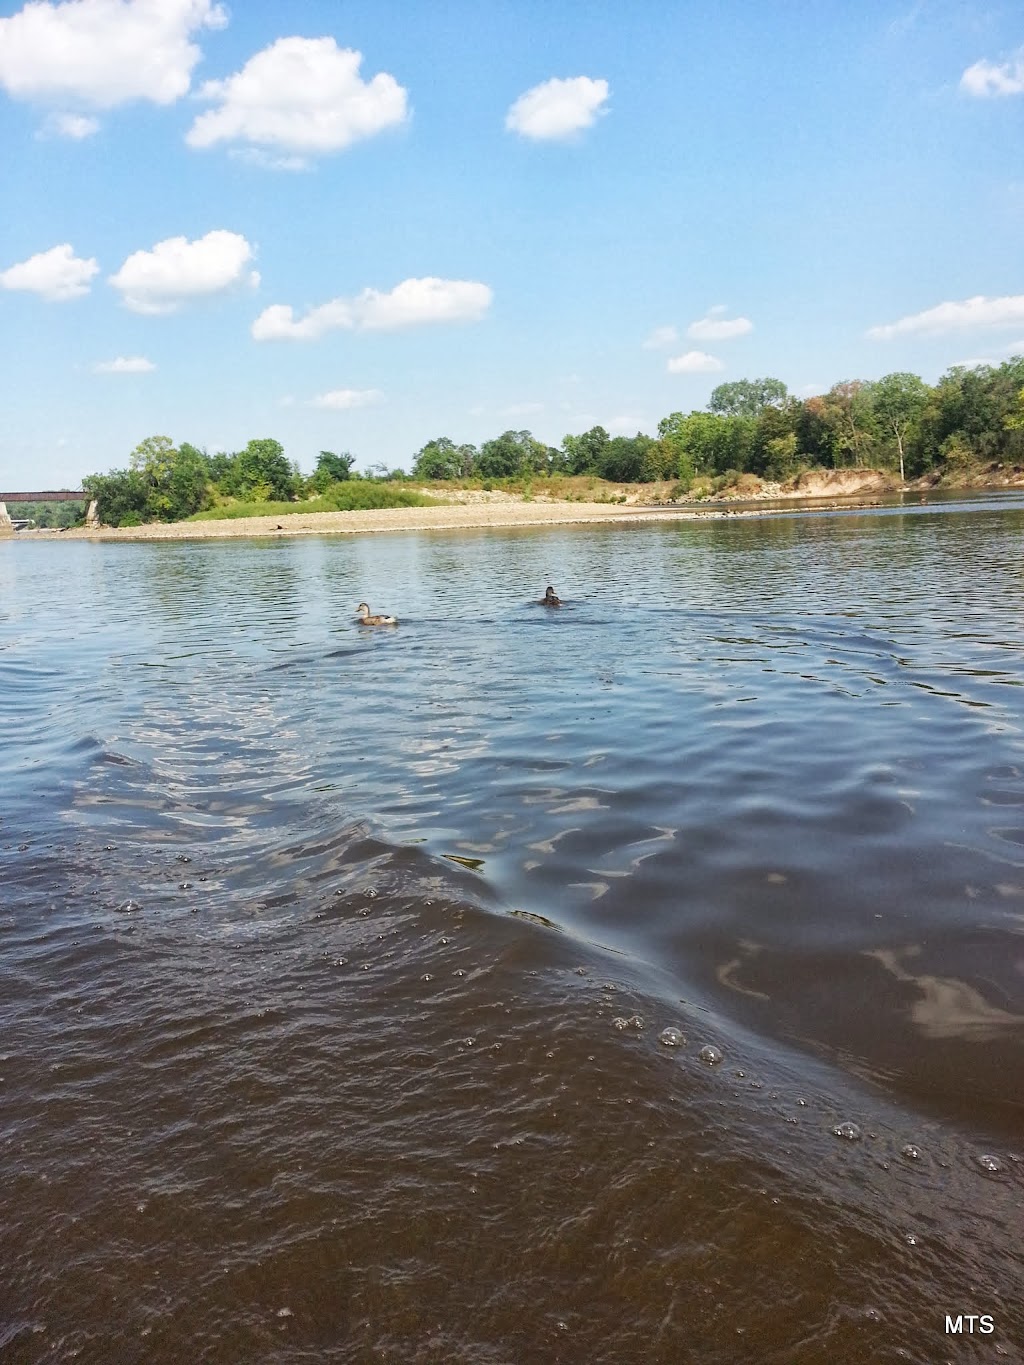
(365, 619)
(549, 599)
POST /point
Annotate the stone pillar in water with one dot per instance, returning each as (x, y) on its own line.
(6, 528)
(92, 515)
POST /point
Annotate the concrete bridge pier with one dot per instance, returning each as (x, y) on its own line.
(92, 516)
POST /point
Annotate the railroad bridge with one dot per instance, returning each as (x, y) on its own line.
(51, 495)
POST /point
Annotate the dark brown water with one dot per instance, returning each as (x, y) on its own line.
(284, 1080)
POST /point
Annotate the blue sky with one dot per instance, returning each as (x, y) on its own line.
(220, 224)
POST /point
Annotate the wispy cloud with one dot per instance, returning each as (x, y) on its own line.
(714, 327)
(75, 126)
(694, 362)
(557, 108)
(660, 338)
(965, 315)
(410, 304)
(125, 364)
(903, 23)
(340, 400)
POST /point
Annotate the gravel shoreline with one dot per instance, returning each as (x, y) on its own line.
(451, 517)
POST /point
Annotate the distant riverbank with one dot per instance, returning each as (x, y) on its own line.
(474, 508)
(508, 512)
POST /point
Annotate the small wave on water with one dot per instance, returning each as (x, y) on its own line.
(645, 987)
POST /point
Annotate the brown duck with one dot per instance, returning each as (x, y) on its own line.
(365, 619)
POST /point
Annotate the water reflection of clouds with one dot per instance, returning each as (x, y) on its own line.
(948, 1007)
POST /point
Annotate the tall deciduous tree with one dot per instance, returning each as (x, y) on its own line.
(261, 469)
(707, 443)
(899, 400)
(583, 454)
(154, 457)
(748, 397)
(512, 453)
(849, 409)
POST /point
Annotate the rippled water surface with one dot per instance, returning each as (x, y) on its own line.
(336, 962)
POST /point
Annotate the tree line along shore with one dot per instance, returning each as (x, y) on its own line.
(752, 430)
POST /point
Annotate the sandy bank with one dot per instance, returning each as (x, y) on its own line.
(446, 518)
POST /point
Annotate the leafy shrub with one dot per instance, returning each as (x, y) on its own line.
(362, 495)
(354, 495)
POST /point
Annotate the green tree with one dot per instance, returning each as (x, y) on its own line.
(122, 496)
(899, 400)
(707, 443)
(513, 454)
(165, 484)
(441, 458)
(849, 410)
(220, 466)
(584, 454)
(330, 468)
(816, 433)
(47, 514)
(187, 483)
(154, 458)
(262, 471)
(973, 404)
(773, 451)
(748, 397)
(338, 467)
(625, 459)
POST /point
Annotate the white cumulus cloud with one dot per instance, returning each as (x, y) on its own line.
(102, 53)
(694, 362)
(125, 364)
(300, 95)
(992, 78)
(340, 400)
(661, 336)
(715, 327)
(57, 274)
(962, 316)
(176, 270)
(557, 108)
(409, 304)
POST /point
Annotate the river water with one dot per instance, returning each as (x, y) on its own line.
(336, 961)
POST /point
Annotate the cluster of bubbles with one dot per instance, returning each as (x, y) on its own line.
(668, 1037)
(672, 1037)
